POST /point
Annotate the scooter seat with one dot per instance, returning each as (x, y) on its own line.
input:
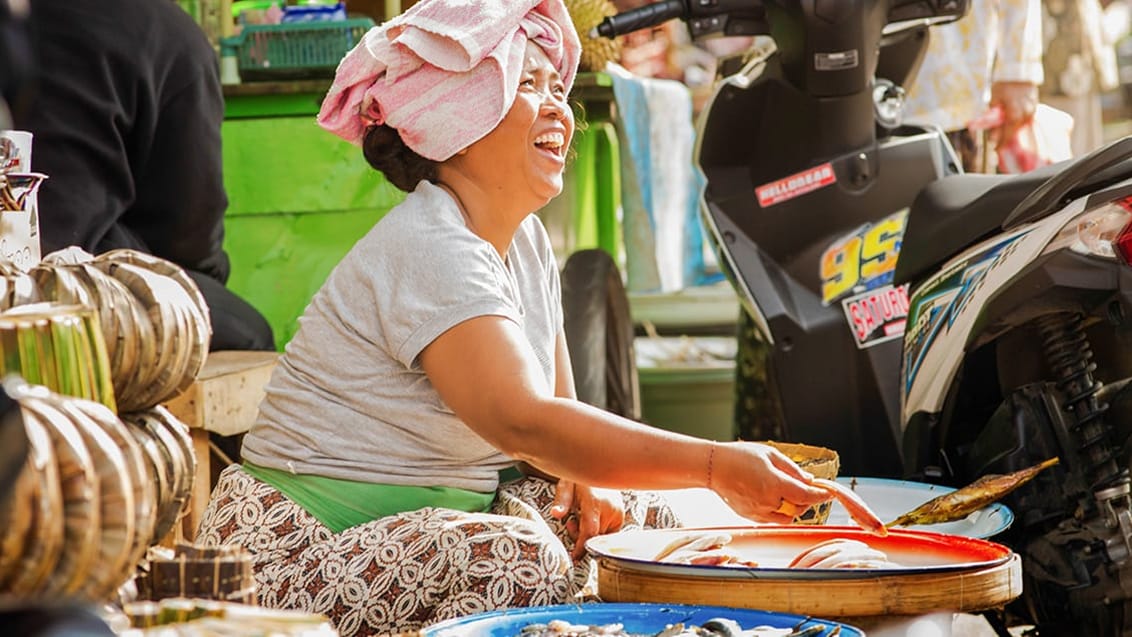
(954, 212)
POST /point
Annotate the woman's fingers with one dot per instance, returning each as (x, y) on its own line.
(599, 511)
(855, 506)
(758, 481)
(589, 523)
(788, 466)
(612, 523)
(563, 499)
(797, 486)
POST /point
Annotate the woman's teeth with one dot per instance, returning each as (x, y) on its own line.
(550, 141)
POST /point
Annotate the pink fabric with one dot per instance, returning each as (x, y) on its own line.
(445, 72)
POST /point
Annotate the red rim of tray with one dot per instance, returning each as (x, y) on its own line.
(951, 552)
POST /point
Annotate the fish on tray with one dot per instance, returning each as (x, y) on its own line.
(705, 549)
(841, 553)
(960, 503)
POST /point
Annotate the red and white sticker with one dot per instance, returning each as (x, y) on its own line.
(795, 185)
(878, 315)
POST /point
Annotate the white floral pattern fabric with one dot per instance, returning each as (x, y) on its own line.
(997, 41)
(406, 571)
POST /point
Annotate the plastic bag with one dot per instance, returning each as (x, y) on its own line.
(1043, 140)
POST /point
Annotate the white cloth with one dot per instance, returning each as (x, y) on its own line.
(660, 185)
(348, 398)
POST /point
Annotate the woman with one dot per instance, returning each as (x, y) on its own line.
(434, 358)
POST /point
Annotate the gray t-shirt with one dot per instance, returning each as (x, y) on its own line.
(349, 399)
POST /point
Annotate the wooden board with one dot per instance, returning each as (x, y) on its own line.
(958, 591)
(226, 394)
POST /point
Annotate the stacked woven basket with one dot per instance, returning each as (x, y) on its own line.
(89, 349)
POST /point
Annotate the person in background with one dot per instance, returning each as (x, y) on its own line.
(1080, 62)
(125, 110)
(379, 483)
(990, 57)
(33, 618)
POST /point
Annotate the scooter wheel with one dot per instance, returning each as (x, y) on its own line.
(599, 333)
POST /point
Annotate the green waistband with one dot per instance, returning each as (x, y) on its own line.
(341, 504)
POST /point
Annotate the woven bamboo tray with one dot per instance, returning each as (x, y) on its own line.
(915, 594)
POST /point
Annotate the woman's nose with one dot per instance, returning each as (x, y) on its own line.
(555, 107)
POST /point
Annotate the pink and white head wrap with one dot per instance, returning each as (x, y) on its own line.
(445, 72)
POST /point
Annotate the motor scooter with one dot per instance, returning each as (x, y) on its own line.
(922, 322)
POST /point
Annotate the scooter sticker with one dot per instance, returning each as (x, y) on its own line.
(877, 316)
(863, 259)
(795, 185)
(943, 300)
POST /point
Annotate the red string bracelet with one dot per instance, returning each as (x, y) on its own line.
(710, 458)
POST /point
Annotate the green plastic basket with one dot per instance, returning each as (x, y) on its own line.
(295, 50)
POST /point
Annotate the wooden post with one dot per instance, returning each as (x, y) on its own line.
(224, 399)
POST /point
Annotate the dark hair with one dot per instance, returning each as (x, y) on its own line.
(401, 165)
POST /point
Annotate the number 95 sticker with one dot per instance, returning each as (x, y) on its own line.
(863, 259)
(861, 264)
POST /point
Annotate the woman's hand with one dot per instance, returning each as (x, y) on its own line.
(588, 512)
(761, 483)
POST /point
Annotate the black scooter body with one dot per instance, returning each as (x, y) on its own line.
(830, 392)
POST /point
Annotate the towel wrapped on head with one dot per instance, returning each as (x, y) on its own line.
(445, 72)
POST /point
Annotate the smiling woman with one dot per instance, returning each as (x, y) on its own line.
(400, 469)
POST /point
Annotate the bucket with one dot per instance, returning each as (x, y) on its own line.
(687, 384)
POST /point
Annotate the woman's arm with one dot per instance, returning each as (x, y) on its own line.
(563, 388)
(486, 372)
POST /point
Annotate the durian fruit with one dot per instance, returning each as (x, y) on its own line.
(586, 15)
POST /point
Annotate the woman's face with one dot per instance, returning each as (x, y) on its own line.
(524, 156)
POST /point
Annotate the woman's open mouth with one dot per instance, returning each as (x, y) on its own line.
(553, 143)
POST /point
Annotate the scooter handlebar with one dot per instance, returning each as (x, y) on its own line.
(744, 17)
(644, 17)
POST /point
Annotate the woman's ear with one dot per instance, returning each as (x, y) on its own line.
(462, 151)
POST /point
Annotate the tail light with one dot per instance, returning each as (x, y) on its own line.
(1124, 244)
(1124, 239)
(1105, 231)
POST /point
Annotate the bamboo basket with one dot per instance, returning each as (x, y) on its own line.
(845, 599)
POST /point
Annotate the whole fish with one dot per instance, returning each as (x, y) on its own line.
(960, 503)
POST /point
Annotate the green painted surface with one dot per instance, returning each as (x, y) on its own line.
(596, 200)
(273, 105)
(289, 165)
(299, 199)
(279, 261)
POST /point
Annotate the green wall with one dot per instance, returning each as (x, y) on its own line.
(299, 199)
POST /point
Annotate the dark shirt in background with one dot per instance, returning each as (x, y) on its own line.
(126, 111)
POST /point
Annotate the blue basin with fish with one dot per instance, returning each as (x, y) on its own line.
(638, 619)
